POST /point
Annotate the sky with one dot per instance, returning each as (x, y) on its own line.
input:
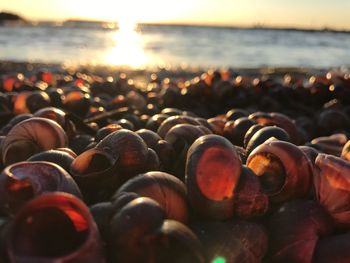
(278, 13)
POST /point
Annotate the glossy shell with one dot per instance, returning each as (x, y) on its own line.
(168, 191)
(95, 173)
(250, 199)
(127, 148)
(264, 134)
(172, 121)
(23, 181)
(332, 186)
(236, 130)
(279, 120)
(283, 169)
(333, 249)
(140, 233)
(213, 168)
(59, 157)
(295, 230)
(55, 228)
(32, 136)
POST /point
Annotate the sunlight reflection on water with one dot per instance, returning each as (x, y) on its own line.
(165, 46)
(128, 49)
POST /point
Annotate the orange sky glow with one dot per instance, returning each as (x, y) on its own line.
(294, 13)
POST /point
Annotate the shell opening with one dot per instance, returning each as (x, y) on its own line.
(51, 231)
(270, 171)
(88, 163)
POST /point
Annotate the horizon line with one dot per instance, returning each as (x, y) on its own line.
(208, 25)
(257, 25)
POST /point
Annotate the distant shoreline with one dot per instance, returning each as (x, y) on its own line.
(176, 25)
(308, 30)
(107, 25)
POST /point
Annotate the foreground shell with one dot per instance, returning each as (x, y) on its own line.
(168, 191)
(283, 169)
(139, 232)
(127, 148)
(332, 187)
(295, 230)
(250, 199)
(213, 168)
(95, 173)
(54, 228)
(24, 181)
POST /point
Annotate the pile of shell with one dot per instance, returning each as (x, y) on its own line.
(215, 169)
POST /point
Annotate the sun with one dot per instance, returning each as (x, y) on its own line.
(128, 47)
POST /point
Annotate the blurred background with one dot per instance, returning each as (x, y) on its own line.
(182, 33)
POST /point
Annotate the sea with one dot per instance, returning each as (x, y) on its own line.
(174, 46)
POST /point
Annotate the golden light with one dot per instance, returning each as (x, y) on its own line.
(128, 44)
(128, 48)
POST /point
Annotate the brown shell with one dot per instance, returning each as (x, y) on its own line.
(184, 134)
(23, 181)
(283, 169)
(140, 233)
(217, 124)
(155, 121)
(250, 200)
(181, 137)
(52, 113)
(32, 136)
(127, 148)
(250, 132)
(153, 162)
(37, 100)
(133, 230)
(151, 138)
(204, 123)
(95, 173)
(103, 132)
(172, 121)
(236, 130)
(333, 144)
(264, 134)
(213, 168)
(333, 249)
(332, 187)
(295, 230)
(168, 191)
(55, 227)
(178, 243)
(166, 154)
(280, 120)
(58, 157)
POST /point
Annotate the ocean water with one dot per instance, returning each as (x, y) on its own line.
(166, 46)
